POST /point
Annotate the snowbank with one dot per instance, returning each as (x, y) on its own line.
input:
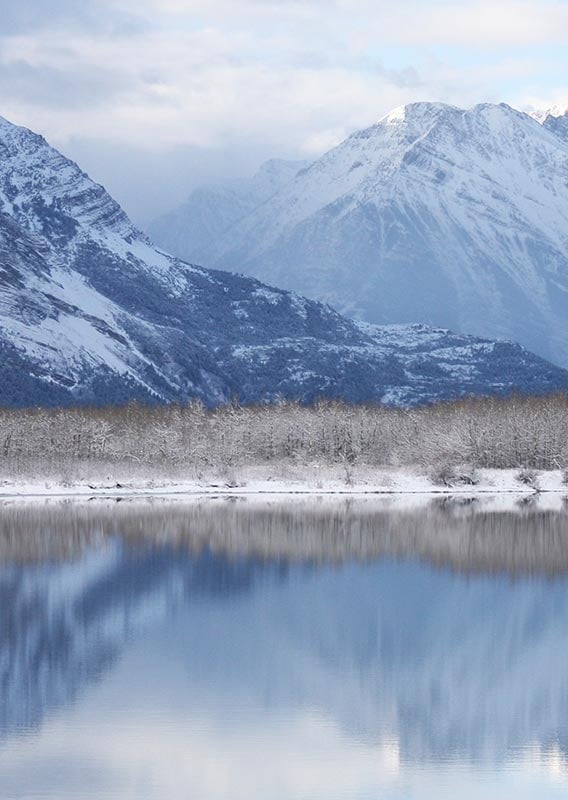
(298, 480)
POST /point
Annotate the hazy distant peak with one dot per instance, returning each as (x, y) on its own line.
(211, 210)
(556, 111)
(281, 165)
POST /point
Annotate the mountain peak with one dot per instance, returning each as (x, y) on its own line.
(19, 137)
(280, 165)
(556, 111)
(412, 112)
(424, 114)
(30, 167)
(7, 126)
(449, 216)
(411, 123)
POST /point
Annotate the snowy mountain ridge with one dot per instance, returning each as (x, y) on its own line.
(91, 311)
(35, 176)
(435, 214)
(556, 120)
(555, 111)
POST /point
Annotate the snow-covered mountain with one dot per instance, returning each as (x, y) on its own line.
(556, 120)
(91, 311)
(436, 215)
(211, 210)
(558, 110)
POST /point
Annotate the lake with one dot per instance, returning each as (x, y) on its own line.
(284, 649)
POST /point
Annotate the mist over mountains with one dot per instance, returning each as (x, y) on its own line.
(212, 210)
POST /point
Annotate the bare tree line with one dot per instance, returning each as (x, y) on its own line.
(515, 432)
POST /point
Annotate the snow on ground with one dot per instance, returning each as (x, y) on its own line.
(291, 480)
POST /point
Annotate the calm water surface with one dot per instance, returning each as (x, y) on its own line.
(309, 649)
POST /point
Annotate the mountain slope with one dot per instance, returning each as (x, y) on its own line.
(434, 215)
(90, 311)
(556, 120)
(211, 210)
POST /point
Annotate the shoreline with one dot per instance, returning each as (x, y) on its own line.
(301, 481)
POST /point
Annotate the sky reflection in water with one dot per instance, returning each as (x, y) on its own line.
(345, 649)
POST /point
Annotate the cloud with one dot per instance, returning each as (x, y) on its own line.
(473, 23)
(24, 16)
(212, 86)
(265, 77)
(57, 89)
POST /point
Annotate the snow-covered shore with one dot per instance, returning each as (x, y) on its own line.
(295, 480)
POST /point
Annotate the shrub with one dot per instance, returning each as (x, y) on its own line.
(444, 476)
(454, 476)
(528, 477)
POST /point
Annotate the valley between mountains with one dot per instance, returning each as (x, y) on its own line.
(92, 312)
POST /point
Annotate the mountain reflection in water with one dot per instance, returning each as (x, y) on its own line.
(331, 648)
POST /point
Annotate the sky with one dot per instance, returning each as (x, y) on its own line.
(154, 97)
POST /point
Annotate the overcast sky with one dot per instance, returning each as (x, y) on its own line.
(155, 96)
